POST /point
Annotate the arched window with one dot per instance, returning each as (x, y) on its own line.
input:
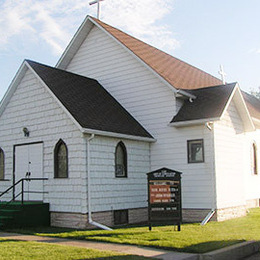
(2, 164)
(254, 159)
(61, 160)
(120, 160)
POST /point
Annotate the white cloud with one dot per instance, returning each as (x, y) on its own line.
(55, 21)
(141, 19)
(47, 20)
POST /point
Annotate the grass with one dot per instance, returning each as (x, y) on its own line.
(23, 250)
(193, 238)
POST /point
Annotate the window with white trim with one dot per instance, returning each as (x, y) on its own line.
(195, 151)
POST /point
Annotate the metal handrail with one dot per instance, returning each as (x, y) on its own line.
(22, 192)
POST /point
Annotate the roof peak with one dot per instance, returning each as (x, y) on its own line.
(177, 73)
(169, 62)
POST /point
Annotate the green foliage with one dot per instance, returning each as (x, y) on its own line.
(255, 93)
(193, 238)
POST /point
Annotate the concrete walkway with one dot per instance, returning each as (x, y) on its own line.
(127, 249)
(237, 251)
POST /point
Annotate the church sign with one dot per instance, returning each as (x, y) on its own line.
(164, 197)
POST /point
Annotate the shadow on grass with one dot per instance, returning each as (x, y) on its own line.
(209, 246)
(9, 240)
(124, 257)
(46, 230)
(97, 237)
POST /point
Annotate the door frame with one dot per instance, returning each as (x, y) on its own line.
(17, 145)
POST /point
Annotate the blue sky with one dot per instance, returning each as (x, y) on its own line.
(204, 33)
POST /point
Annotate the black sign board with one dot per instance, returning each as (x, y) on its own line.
(164, 197)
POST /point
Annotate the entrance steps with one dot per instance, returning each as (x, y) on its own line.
(29, 214)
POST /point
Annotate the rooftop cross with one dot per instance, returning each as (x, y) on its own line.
(98, 6)
(222, 74)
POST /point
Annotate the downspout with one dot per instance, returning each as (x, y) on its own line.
(210, 126)
(90, 220)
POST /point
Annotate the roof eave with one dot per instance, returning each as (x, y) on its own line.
(193, 122)
(117, 135)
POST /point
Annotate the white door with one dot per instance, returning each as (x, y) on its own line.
(29, 164)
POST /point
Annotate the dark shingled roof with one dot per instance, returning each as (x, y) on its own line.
(209, 103)
(253, 105)
(88, 102)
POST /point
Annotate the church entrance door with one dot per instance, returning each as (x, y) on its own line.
(29, 164)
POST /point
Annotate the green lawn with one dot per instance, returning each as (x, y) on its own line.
(193, 238)
(23, 250)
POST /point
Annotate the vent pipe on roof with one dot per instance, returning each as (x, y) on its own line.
(90, 220)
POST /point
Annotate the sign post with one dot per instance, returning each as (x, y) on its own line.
(164, 197)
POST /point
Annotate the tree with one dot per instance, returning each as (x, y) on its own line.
(255, 93)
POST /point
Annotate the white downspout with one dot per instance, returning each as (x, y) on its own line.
(210, 126)
(89, 188)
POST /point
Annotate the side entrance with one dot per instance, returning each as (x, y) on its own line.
(28, 163)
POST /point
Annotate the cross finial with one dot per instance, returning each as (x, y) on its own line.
(98, 6)
(222, 74)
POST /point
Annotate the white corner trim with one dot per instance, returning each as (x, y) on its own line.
(193, 122)
(117, 135)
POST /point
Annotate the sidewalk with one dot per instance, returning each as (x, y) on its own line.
(127, 249)
(237, 251)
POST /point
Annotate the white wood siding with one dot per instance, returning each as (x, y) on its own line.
(252, 180)
(153, 104)
(111, 193)
(229, 151)
(33, 107)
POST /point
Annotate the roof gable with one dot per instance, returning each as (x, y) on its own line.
(210, 105)
(88, 102)
(177, 73)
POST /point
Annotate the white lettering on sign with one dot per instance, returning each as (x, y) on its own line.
(164, 174)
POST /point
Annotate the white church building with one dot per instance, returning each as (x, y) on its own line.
(115, 108)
